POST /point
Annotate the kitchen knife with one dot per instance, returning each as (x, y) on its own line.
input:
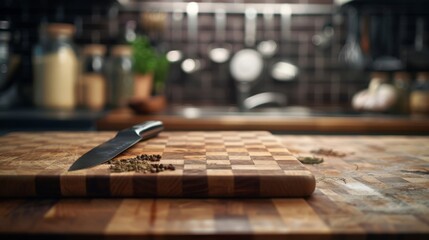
(123, 140)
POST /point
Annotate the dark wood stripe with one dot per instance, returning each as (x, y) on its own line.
(98, 186)
(170, 186)
(17, 186)
(27, 215)
(246, 186)
(48, 185)
(254, 149)
(145, 185)
(218, 166)
(241, 162)
(216, 157)
(195, 186)
(292, 167)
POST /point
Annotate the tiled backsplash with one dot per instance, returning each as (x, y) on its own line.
(322, 80)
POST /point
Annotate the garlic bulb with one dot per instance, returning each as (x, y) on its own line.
(379, 97)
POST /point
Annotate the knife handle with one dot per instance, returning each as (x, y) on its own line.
(148, 129)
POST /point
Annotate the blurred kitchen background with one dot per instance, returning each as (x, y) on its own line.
(249, 54)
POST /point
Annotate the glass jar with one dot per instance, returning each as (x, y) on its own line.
(92, 85)
(401, 81)
(419, 97)
(55, 68)
(121, 79)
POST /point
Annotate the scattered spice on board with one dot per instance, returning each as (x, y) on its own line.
(328, 152)
(310, 160)
(142, 163)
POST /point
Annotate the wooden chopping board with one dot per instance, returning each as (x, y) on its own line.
(208, 164)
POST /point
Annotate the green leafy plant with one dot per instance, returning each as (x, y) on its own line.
(147, 60)
(161, 72)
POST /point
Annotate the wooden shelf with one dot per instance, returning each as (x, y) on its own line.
(356, 124)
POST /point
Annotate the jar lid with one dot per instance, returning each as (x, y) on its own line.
(380, 76)
(423, 76)
(4, 25)
(121, 50)
(402, 76)
(94, 49)
(60, 29)
(4, 36)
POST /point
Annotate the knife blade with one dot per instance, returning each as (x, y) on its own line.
(123, 140)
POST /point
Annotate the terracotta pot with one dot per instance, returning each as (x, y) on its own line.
(148, 105)
(143, 85)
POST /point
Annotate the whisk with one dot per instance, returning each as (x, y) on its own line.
(351, 54)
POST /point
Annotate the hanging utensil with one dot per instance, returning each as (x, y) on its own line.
(175, 54)
(351, 53)
(323, 38)
(417, 58)
(192, 64)
(388, 62)
(268, 47)
(220, 51)
(153, 23)
(246, 65)
(285, 70)
(5, 56)
(374, 37)
(364, 36)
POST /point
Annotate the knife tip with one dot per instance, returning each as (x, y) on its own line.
(73, 168)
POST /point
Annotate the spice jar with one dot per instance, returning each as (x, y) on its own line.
(401, 82)
(92, 85)
(419, 98)
(121, 80)
(55, 67)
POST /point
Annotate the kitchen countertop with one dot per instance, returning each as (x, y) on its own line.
(373, 188)
(288, 122)
(33, 119)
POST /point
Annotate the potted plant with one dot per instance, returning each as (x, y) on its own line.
(150, 68)
(150, 71)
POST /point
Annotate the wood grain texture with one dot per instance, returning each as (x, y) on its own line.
(208, 164)
(379, 190)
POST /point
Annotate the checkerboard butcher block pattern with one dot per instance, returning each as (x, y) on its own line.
(208, 164)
